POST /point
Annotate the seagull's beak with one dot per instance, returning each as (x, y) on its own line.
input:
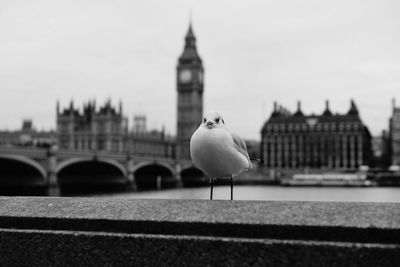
(209, 124)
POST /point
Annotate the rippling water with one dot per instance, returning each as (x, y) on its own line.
(347, 194)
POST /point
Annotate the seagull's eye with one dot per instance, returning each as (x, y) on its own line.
(217, 120)
(204, 120)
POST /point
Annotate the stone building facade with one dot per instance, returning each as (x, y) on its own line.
(152, 143)
(328, 141)
(394, 131)
(380, 146)
(101, 129)
(106, 129)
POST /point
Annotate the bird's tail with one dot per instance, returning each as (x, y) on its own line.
(253, 162)
(251, 166)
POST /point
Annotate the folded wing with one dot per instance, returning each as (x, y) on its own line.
(240, 145)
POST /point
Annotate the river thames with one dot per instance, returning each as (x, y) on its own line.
(274, 193)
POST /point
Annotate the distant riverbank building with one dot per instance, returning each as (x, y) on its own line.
(27, 136)
(325, 141)
(394, 131)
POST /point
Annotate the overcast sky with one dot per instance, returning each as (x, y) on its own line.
(254, 52)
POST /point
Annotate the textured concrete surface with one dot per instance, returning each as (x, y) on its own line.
(115, 232)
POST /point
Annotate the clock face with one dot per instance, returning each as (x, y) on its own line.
(185, 76)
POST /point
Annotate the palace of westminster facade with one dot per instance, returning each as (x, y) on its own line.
(327, 141)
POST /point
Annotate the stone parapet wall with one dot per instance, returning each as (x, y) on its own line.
(121, 232)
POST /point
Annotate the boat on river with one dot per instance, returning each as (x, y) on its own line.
(328, 179)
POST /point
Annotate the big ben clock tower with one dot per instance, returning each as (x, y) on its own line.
(190, 75)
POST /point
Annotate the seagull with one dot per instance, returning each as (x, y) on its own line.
(218, 152)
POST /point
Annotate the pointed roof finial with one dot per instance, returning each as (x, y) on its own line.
(353, 108)
(327, 111)
(298, 112)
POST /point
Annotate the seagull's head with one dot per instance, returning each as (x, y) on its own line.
(213, 120)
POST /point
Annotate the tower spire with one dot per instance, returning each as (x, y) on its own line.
(190, 93)
(190, 52)
(190, 38)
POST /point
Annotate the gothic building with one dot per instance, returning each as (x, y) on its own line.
(92, 129)
(106, 129)
(394, 138)
(329, 141)
(190, 75)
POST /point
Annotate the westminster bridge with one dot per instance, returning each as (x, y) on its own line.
(62, 170)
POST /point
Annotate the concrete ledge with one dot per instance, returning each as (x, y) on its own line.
(112, 231)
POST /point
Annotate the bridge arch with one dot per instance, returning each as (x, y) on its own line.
(90, 175)
(70, 161)
(154, 175)
(192, 176)
(148, 163)
(20, 175)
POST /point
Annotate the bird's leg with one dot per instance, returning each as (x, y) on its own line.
(212, 185)
(231, 187)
